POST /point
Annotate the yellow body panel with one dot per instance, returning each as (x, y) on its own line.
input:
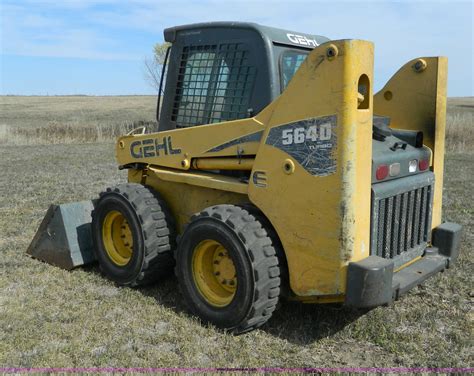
(315, 299)
(200, 179)
(191, 142)
(185, 199)
(322, 220)
(415, 99)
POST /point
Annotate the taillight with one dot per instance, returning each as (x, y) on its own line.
(423, 164)
(381, 172)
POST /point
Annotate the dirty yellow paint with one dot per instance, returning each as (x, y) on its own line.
(191, 142)
(324, 299)
(323, 222)
(185, 200)
(416, 100)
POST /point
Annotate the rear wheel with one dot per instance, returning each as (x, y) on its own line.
(214, 273)
(133, 234)
(227, 268)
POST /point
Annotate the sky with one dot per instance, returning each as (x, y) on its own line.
(97, 47)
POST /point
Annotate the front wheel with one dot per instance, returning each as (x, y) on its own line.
(227, 268)
(133, 235)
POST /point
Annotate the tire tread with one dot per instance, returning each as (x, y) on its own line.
(158, 230)
(262, 256)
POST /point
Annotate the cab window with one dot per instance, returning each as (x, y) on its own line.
(291, 60)
(214, 84)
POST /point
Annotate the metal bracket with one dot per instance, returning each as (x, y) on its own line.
(399, 145)
(135, 131)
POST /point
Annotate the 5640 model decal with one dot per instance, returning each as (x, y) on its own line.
(299, 135)
(310, 142)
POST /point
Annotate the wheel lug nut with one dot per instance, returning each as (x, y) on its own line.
(232, 283)
(216, 262)
(217, 273)
(221, 254)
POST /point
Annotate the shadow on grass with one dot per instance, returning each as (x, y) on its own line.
(304, 324)
(295, 322)
(164, 291)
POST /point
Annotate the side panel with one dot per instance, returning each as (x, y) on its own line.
(415, 99)
(316, 192)
(184, 199)
(175, 148)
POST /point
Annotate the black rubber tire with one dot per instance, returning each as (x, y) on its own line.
(153, 232)
(258, 273)
(285, 290)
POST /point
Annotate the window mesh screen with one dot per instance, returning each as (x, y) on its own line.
(215, 84)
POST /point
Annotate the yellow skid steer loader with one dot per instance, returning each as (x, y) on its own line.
(274, 172)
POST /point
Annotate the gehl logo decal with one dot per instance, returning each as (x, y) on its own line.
(152, 147)
(302, 40)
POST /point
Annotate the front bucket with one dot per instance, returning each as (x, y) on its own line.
(64, 236)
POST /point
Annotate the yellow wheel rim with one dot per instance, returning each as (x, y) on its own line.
(117, 238)
(214, 273)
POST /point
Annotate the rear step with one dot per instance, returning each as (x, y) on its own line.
(372, 282)
(416, 273)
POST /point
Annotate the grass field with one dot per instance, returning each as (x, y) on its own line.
(53, 318)
(72, 119)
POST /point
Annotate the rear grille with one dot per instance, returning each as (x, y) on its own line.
(401, 221)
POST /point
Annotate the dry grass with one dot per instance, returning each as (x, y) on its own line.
(460, 124)
(53, 318)
(39, 111)
(54, 120)
(69, 133)
(57, 120)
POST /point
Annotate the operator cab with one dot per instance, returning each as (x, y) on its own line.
(221, 71)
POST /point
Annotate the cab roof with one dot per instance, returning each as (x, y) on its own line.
(272, 34)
